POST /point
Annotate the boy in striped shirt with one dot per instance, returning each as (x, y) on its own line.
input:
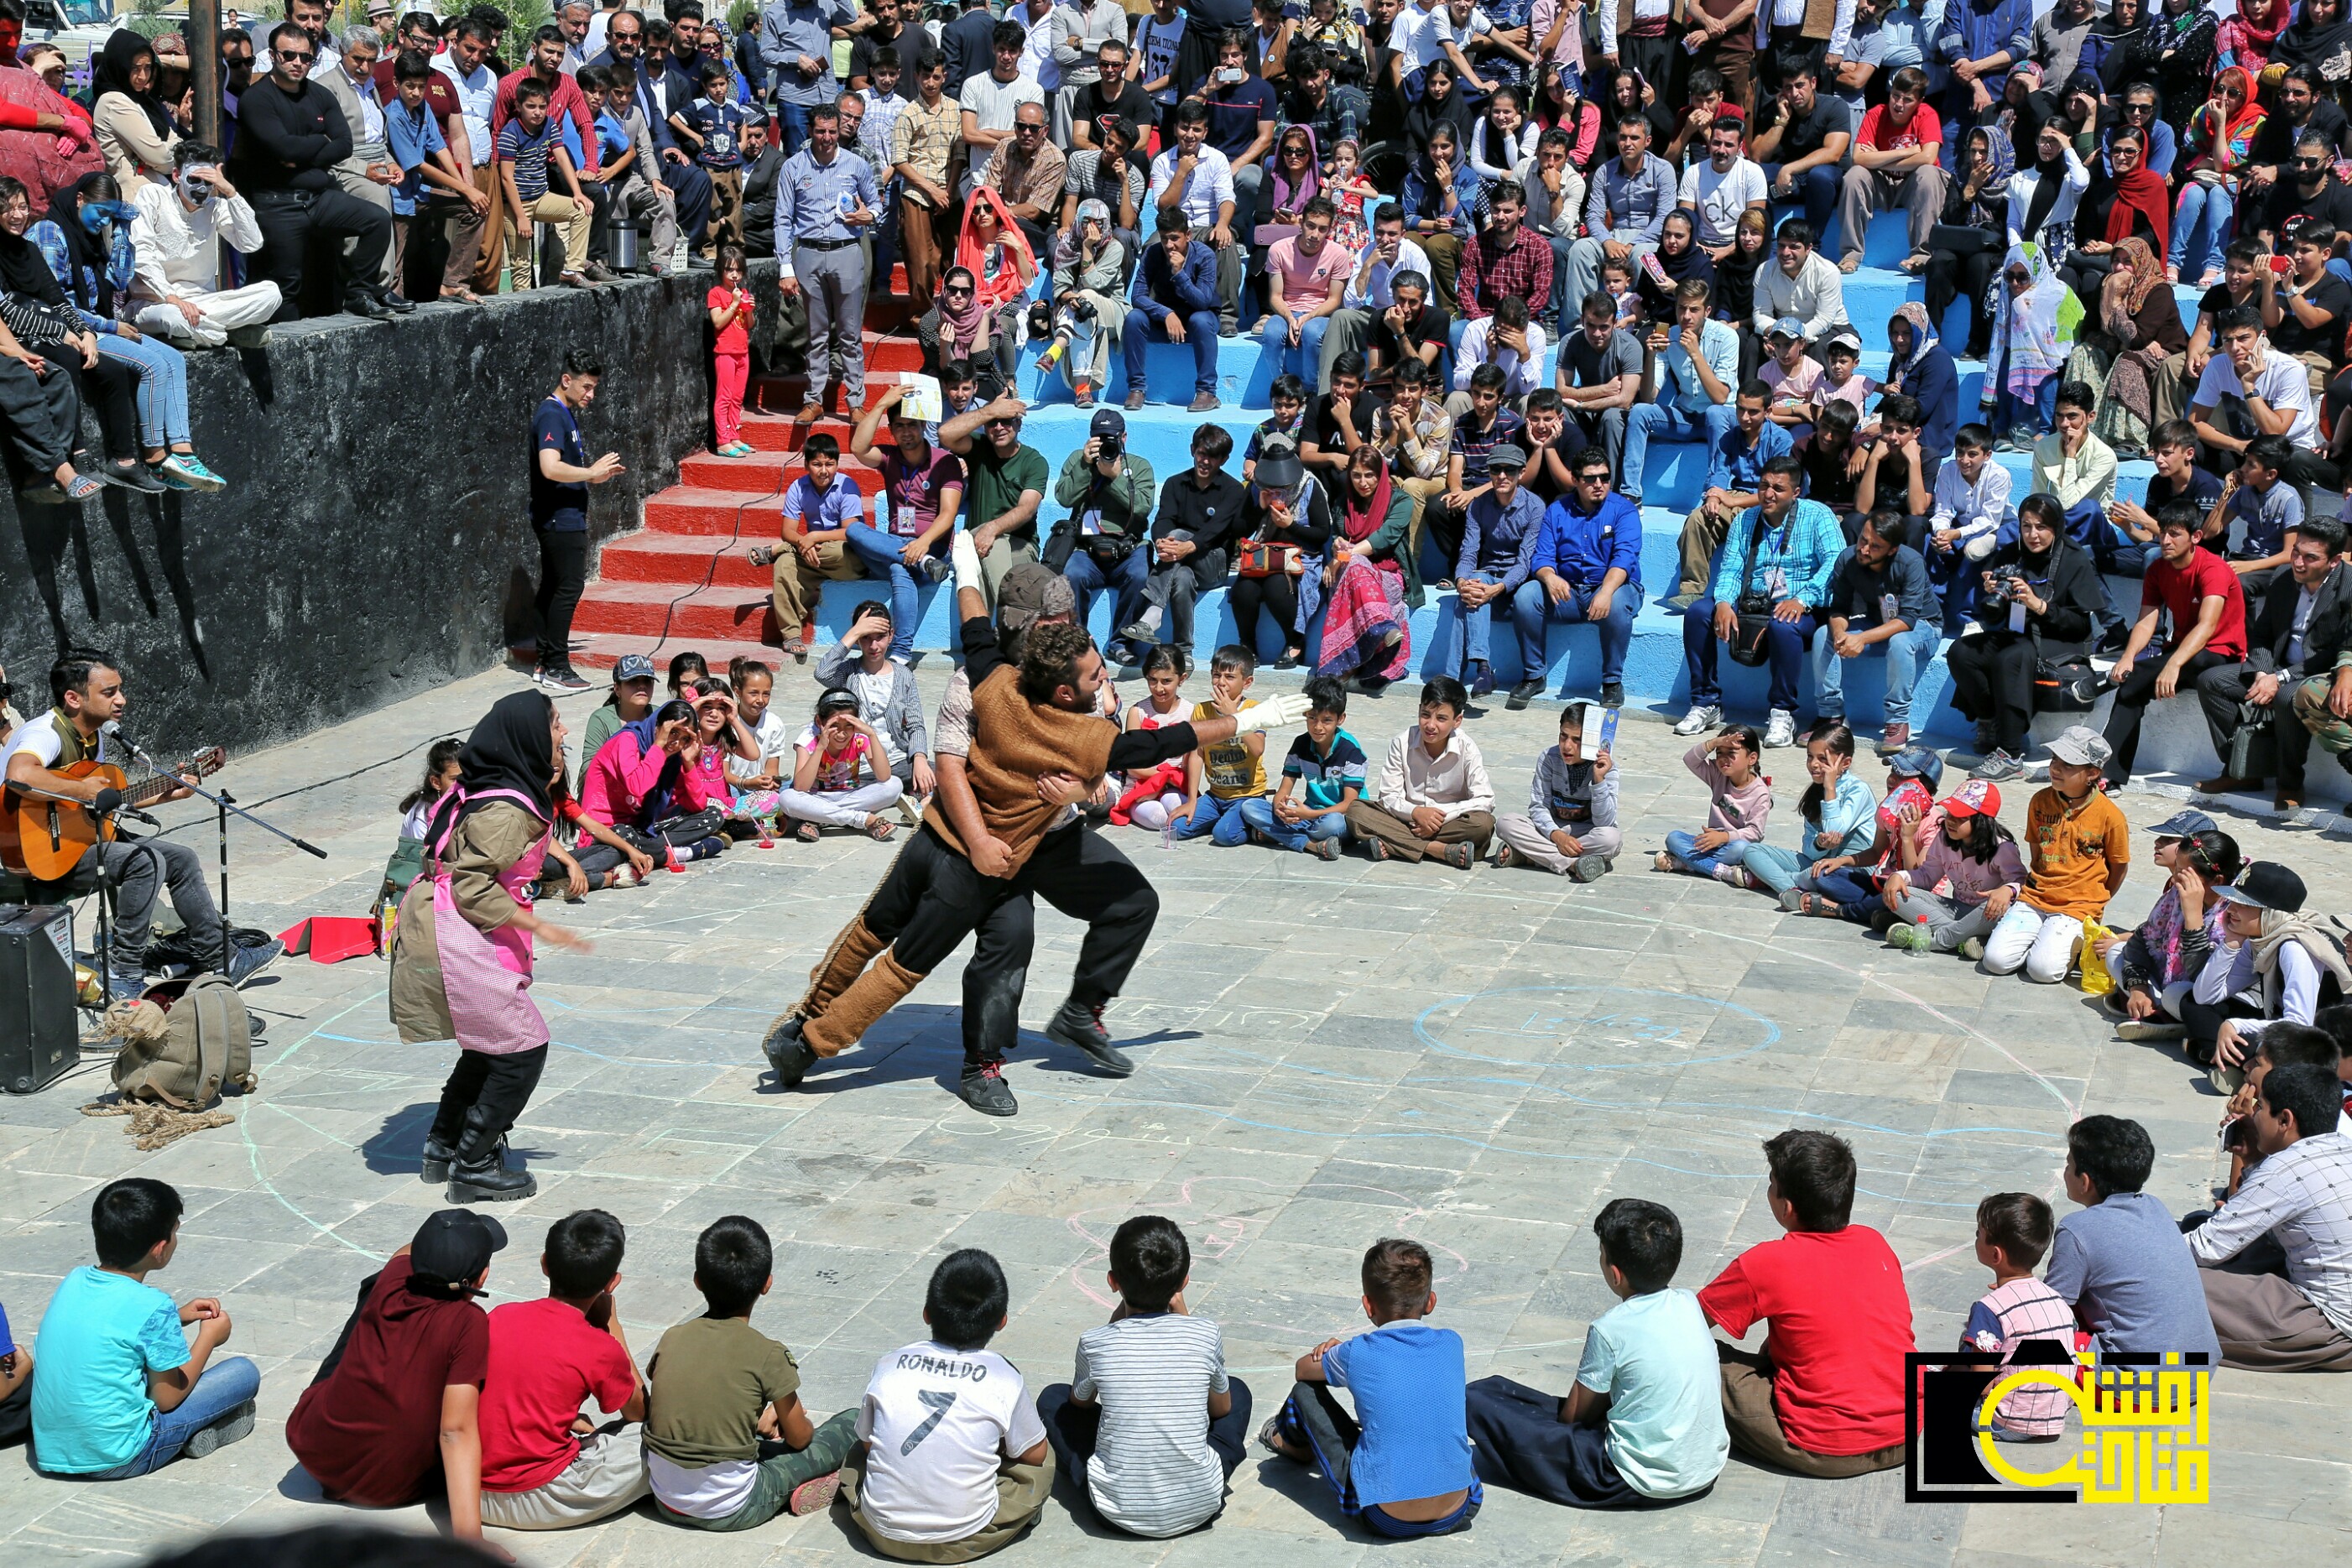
(1152, 1427)
(2013, 1231)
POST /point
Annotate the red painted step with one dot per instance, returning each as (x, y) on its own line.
(765, 471)
(686, 509)
(681, 561)
(601, 651)
(647, 610)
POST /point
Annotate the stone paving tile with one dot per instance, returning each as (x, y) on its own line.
(1326, 1054)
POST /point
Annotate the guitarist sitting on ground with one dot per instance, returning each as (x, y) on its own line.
(86, 689)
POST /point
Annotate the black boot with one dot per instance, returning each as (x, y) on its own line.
(480, 1173)
(1081, 1026)
(789, 1052)
(436, 1159)
(983, 1087)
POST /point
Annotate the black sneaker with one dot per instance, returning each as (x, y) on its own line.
(129, 476)
(983, 1087)
(1613, 695)
(1523, 694)
(789, 1052)
(1082, 1026)
(244, 961)
(559, 678)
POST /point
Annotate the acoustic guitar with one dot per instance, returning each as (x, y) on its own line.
(45, 839)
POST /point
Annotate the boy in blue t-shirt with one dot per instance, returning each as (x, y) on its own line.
(1643, 1422)
(431, 185)
(121, 1392)
(1321, 778)
(713, 125)
(1401, 1463)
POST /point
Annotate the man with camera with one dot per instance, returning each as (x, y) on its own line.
(1108, 491)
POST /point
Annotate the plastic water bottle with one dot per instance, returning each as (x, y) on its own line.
(1167, 835)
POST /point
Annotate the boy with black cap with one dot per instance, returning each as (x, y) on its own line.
(395, 1411)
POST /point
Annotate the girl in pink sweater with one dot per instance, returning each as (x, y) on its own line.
(1739, 798)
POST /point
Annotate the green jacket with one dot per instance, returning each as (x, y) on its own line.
(1124, 504)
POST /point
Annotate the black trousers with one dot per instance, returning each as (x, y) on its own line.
(1968, 276)
(1277, 593)
(42, 418)
(1519, 1441)
(563, 577)
(2131, 704)
(1993, 681)
(2204, 1023)
(1072, 1428)
(111, 388)
(500, 1085)
(290, 220)
(2221, 690)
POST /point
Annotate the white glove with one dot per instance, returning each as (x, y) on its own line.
(966, 561)
(1275, 713)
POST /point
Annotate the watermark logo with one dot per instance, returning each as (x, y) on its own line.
(2141, 1432)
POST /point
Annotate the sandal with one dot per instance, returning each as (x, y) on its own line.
(1662, 861)
(1270, 1437)
(806, 833)
(879, 828)
(461, 295)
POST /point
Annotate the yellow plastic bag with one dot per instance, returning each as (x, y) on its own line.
(2097, 979)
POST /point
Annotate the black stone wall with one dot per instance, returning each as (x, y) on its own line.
(373, 541)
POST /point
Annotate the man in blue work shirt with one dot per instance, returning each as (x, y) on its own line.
(1740, 451)
(1586, 567)
(1501, 528)
(1698, 365)
(824, 197)
(1779, 555)
(1176, 298)
(796, 46)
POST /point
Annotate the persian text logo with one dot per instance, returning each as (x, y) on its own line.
(1973, 1428)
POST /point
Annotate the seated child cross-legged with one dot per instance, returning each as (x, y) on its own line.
(1825, 1398)
(2080, 853)
(1322, 776)
(1739, 802)
(728, 1445)
(1401, 1463)
(1222, 775)
(1570, 824)
(826, 762)
(2012, 1233)
(123, 1391)
(1957, 890)
(1433, 796)
(1644, 1423)
(887, 700)
(953, 1461)
(1152, 1427)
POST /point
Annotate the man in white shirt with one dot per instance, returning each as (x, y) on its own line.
(2249, 389)
(1194, 177)
(1723, 187)
(1507, 339)
(476, 87)
(1368, 293)
(1433, 796)
(2297, 1316)
(989, 98)
(175, 240)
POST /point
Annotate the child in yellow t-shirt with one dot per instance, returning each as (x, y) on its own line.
(1222, 775)
(2081, 851)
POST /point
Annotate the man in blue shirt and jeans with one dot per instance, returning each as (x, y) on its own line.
(796, 46)
(1499, 532)
(1175, 297)
(1776, 564)
(1698, 365)
(1586, 567)
(560, 476)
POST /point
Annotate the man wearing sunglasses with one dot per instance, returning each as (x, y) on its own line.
(2307, 188)
(290, 137)
(661, 89)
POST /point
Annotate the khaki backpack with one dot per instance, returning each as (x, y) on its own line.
(201, 1043)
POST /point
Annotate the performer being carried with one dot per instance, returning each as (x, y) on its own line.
(461, 953)
(975, 852)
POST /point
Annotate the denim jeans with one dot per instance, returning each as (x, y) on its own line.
(2201, 227)
(1087, 578)
(1199, 331)
(879, 553)
(1478, 625)
(1770, 864)
(225, 1385)
(1683, 848)
(162, 386)
(1532, 607)
(1908, 655)
(791, 124)
(1306, 360)
(1647, 421)
(1257, 812)
(1784, 644)
(1560, 314)
(1221, 822)
(1817, 188)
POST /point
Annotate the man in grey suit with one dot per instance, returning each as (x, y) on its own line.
(2301, 637)
(369, 174)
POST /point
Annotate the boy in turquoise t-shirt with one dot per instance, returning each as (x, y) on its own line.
(1321, 778)
(1644, 1423)
(121, 1392)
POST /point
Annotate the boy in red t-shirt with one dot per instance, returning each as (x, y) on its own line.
(2208, 607)
(1825, 1396)
(547, 1358)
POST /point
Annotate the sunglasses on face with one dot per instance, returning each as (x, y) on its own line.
(952, 288)
(295, 57)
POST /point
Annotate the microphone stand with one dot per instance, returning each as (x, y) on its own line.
(224, 804)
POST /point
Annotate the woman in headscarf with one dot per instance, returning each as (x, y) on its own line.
(1284, 506)
(1292, 180)
(2043, 194)
(2035, 316)
(2320, 36)
(1679, 257)
(1630, 92)
(2176, 52)
(1918, 367)
(1088, 264)
(2249, 34)
(1561, 105)
(957, 327)
(2125, 201)
(978, 317)
(85, 242)
(1976, 201)
(2135, 354)
(1372, 582)
(2275, 962)
(135, 124)
(2156, 964)
(1441, 195)
(2221, 140)
(2054, 582)
(36, 311)
(1440, 103)
(462, 949)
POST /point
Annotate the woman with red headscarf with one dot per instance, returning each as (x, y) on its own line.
(2125, 202)
(1374, 583)
(2220, 141)
(2246, 38)
(45, 138)
(978, 314)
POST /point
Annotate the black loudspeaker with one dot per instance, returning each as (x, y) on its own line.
(39, 1039)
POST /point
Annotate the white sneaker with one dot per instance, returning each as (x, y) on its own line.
(1703, 717)
(1782, 728)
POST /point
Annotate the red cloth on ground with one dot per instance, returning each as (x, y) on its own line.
(1840, 1325)
(546, 1360)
